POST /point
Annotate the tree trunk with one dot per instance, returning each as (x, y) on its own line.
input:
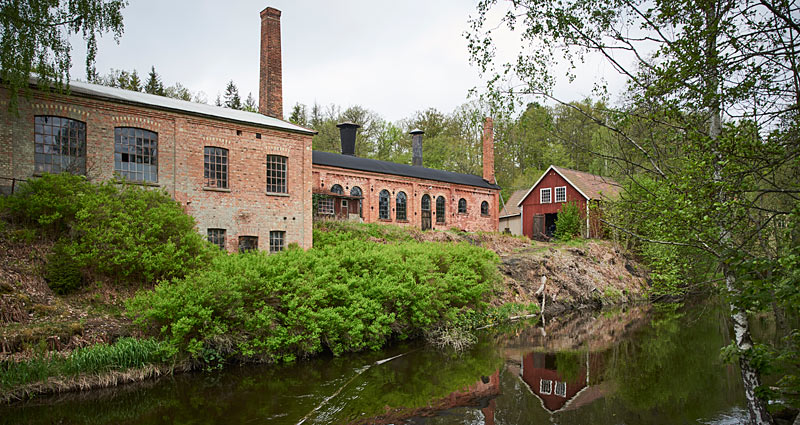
(750, 376)
(741, 327)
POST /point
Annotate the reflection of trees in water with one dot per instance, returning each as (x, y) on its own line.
(674, 365)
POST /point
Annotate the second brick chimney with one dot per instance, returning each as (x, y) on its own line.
(270, 90)
(488, 150)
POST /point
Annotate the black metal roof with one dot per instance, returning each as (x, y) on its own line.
(386, 167)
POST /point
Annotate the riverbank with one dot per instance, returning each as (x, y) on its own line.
(583, 274)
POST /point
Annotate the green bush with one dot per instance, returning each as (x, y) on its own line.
(568, 222)
(348, 296)
(48, 203)
(123, 231)
(62, 273)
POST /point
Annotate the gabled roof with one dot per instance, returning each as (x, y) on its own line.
(385, 167)
(118, 95)
(590, 186)
(511, 207)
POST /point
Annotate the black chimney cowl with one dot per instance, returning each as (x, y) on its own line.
(347, 132)
(416, 147)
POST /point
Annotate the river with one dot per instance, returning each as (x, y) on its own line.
(640, 365)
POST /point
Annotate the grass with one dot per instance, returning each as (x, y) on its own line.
(126, 353)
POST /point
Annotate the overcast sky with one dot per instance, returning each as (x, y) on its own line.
(393, 57)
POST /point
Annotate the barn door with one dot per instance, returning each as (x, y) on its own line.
(538, 225)
(426, 212)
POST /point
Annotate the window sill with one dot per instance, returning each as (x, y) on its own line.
(277, 194)
(463, 214)
(385, 220)
(215, 189)
(486, 215)
(149, 184)
(402, 221)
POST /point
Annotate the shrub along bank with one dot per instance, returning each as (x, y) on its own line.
(345, 296)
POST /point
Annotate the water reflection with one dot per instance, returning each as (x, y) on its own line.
(640, 365)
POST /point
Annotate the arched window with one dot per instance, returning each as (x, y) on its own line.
(401, 206)
(484, 208)
(425, 212)
(462, 206)
(383, 205)
(337, 189)
(136, 154)
(356, 193)
(59, 145)
(440, 209)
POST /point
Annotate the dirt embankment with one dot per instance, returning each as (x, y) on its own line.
(579, 274)
(587, 274)
(34, 320)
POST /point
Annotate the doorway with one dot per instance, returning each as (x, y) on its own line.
(426, 212)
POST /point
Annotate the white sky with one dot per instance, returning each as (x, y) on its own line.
(393, 57)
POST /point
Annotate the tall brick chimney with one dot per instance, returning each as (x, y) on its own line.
(416, 147)
(488, 150)
(270, 90)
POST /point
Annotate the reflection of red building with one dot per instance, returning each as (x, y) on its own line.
(540, 372)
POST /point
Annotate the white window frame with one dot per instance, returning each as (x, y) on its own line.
(561, 389)
(549, 192)
(549, 386)
(325, 206)
(344, 204)
(564, 199)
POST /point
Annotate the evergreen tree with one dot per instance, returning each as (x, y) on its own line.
(134, 83)
(231, 97)
(250, 104)
(154, 85)
(299, 115)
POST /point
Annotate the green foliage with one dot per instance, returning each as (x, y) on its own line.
(346, 294)
(126, 232)
(568, 222)
(35, 39)
(62, 273)
(124, 354)
(333, 232)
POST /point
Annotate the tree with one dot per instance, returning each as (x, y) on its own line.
(250, 104)
(718, 81)
(34, 39)
(134, 83)
(299, 115)
(178, 91)
(154, 85)
(231, 98)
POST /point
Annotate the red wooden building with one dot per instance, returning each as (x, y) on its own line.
(557, 186)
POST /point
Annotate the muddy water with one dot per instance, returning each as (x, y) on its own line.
(645, 365)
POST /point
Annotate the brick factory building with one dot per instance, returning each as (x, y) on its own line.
(373, 191)
(245, 177)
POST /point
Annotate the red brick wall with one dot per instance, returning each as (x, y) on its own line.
(245, 210)
(531, 204)
(371, 185)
